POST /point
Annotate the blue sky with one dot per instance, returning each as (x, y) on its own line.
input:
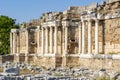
(25, 10)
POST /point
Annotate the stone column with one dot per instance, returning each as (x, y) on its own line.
(26, 32)
(11, 43)
(14, 43)
(55, 40)
(96, 37)
(89, 37)
(66, 40)
(51, 37)
(42, 41)
(18, 42)
(80, 39)
(38, 40)
(46, 40)
(83, 37)
(26, 54)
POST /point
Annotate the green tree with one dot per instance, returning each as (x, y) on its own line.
(6, 24)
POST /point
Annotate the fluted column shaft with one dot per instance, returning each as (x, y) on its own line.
(66, 39)
(14, 43)
(80, 39)
(96, 37)
(27, 46)
(83, 37)
(46, 39)
(89, 37)
(26, 32)
(18, 43)
(55, 40)
(38, 41)
(11, 43)
(42, 40)
(51, 37)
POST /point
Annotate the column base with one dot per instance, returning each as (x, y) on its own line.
(86, 56)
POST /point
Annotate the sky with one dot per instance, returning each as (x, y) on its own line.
(26, 10)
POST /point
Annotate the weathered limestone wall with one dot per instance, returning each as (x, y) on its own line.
(5, 58)
(100, 63)
(72, 62)
(112, 35)
(38, 61)
(77, 62)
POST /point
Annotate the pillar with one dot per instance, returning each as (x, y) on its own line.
(26, 54)
(55, 40)
(26, 32)
(51, 37)
(18, 42)
(42, 41)
(89, 37)
(46, 40)
(14, 43)
(80, 39)
(83, 37)
(38, 40)
(11, 43)
(96, 37)
(66, 39)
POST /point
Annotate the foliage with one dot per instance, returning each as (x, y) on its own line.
(6, 24)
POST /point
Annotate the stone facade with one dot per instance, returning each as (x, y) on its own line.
(60, 39)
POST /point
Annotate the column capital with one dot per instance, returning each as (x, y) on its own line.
(42, 27)
(46, 27)
(38, 27)
(82, 20)
(51, 27)
(89, 20)
(96, 20)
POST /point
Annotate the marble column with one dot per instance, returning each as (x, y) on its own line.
(80, 39)
(96, 37)
(89, 37)
(11, 43)
(26, 54)
(66, 40)
(14, 43)
(46, 29)
(18, 42)
(51, 41)
(26, 32)
(42, 41)
(83, 37)
(55, 40)
(38, 40)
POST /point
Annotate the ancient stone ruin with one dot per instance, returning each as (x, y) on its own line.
(86, 36)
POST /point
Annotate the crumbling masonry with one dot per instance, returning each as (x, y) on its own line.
(72, 38)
